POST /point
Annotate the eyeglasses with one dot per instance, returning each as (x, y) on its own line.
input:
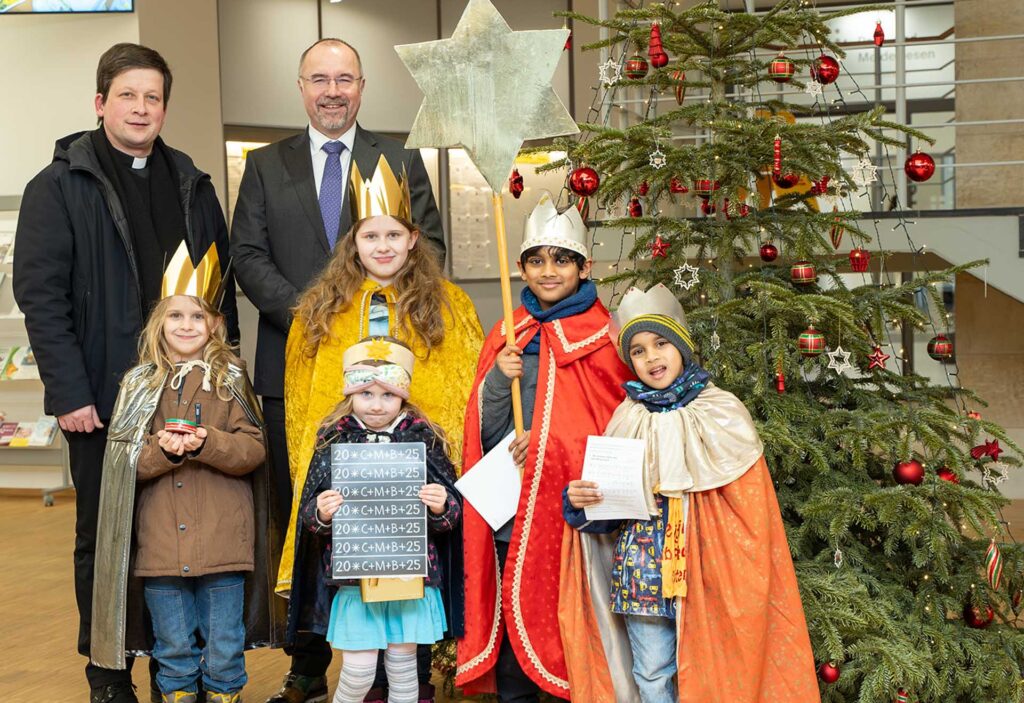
(321, 82)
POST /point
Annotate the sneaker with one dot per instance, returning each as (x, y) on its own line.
(234, 697)
(117, 692)
(426, 693)
(180, 697)
(301, 689)
(376, 695)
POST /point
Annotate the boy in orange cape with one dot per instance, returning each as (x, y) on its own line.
(571, 382)
(700, 601)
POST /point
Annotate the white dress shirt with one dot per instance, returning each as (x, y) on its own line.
(319, 156)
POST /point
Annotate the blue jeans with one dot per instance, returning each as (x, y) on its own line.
(653, 642)
(212, 604)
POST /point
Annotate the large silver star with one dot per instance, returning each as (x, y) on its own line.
(487, 89)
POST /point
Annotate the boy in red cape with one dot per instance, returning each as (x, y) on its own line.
(571, 379)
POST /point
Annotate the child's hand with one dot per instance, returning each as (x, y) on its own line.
(170, 442)
(584, 493)
(509, 361)
(435, 497)
(194, 442)
(519, 447)
(327, 503)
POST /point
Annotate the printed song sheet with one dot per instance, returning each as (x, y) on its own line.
(616, 465)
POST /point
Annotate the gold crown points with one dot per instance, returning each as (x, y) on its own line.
(201, 281)
(378, 349)
(382, 194)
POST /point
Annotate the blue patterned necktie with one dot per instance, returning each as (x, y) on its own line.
(330, 191)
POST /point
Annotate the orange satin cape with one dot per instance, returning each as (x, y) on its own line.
(579, 385)
(742, 636)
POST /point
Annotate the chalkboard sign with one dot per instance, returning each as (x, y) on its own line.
(381, 527)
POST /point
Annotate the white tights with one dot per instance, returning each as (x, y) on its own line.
(359, 667)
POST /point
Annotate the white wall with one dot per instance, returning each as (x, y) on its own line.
(48, 84)
(260, 45)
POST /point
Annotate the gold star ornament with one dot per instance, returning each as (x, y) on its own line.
(487, 89)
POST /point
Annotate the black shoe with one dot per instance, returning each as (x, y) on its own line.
(301, 689)
(117, 692)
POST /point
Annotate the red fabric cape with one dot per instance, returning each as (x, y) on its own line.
(579, 385)
(742, 636)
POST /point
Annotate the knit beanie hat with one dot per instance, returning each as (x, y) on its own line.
(655, 310)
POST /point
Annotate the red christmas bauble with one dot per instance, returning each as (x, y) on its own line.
(636, 67)
(678, 76)
(811, 342)
(911, 472)
(859, 259)
(974, 414)
(825, 69)
(786, 180)
(655, 50)
(584, 181)
(515, 184)
(919, 167)
(744, 209)
(704, 187)
(820, 187)
(780, 382)
(803, 273)
(879, 36)
(978, 618)
(769, 252)
(781, 69)
(676, 186)
(940, 348)
(635, 208)
(707, 207)
(902, 696)
(643, 188)
(828, 672)
(946, 474)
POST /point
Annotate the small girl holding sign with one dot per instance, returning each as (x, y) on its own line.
(705, 587)
(378, 373)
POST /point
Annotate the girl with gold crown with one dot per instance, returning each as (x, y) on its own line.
(383, 279)
(185, 473)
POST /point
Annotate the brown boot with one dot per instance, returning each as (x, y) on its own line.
(301, 689)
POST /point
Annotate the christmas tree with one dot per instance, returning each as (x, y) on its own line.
(886, 481)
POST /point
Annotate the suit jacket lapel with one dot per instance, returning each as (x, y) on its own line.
(300, 171)
(365, 153)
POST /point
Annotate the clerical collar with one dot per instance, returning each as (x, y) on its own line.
(139, 163)
(136, 163)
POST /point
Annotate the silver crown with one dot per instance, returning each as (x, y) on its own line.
(656, 300)
(546, 228)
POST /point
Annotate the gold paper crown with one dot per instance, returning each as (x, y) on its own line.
(383, 194)
(202, 281)
(378, 349)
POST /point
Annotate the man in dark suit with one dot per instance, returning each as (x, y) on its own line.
(292, 207)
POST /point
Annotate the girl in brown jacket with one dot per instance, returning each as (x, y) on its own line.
(194, 513)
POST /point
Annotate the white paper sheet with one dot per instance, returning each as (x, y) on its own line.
(616, 465)
(492, 486)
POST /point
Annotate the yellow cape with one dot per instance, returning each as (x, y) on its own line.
(441, 383)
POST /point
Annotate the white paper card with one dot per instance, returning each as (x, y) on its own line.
(616, 465)
(492, 486)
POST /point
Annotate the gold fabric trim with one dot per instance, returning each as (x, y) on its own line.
(493, 639)
(517, 572)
